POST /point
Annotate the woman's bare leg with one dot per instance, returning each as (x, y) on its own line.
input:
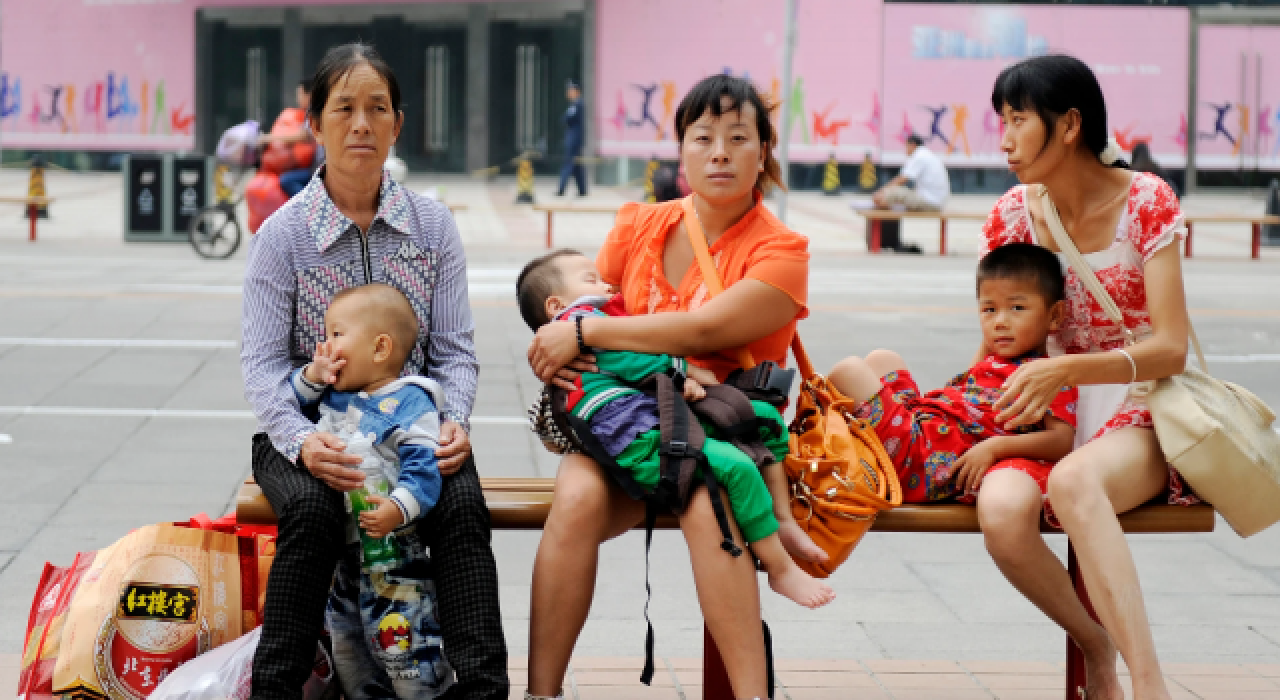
(1113, 474)
(587, 509)
(729, 596)
(1009, 507)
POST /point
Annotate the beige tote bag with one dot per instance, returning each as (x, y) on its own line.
(1217, 434)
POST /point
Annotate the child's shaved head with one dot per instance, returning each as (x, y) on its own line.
(386, 310)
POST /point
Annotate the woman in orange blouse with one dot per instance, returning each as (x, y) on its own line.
(726, 142)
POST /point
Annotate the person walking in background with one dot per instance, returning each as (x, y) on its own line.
(293, 127)
(925, 169)
(574, 137)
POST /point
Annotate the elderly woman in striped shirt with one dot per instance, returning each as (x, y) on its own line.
(354, 225)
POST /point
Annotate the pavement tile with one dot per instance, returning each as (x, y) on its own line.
(821, 665)
(829, 694)
(1022, 668)
(950, 693)
(636, 692)
(826, 679)
(994, 681)
(896, 681)
(896, 666)
(1027, 693)
(1200, 684)
(1184, 669)
(1267, 670)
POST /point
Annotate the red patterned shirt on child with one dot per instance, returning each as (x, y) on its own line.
(925, 435)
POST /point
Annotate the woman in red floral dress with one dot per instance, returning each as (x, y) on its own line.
(1127, 226)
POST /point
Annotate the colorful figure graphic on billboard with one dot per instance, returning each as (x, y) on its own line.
(1220, 124)
(1244, 130)
(797, 109)
(161, 111)
(70, 117)
(54, 115)
(906, 131)
(1126, 140)
(935, 129)
(828, 130)
(668, 105)
(1264, 128)
(181, 123)
(992, 131)
(959, 124)
(873, 123)
(93, 105)
(10, 96)
(645, 115)
(1275, 150)
(1180, 138)
(118, 102)
(619, 118)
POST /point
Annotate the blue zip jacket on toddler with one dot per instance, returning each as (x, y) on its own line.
(404, 417)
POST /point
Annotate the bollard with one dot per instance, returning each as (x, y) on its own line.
(867, 178)
(1271, 232)
(524, 181)
(33, 213)
(649, 170)
(35, 187)
(831, 177)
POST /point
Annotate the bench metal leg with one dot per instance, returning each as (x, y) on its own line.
(33, 213)
(875, 235)
(1257, 239)
(1188, 239)
(942, 236)
(548, 229)
(715, 679)
(1076, 677)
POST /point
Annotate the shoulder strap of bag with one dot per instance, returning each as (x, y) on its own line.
(1090, 278)
(711, 276)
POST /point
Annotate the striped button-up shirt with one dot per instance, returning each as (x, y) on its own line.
(307, 252)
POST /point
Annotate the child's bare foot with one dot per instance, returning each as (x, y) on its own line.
(798, 543)
(804, 589)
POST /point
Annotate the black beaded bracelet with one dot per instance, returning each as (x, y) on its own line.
(582, 346)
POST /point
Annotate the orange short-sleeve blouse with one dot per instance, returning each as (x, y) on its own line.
(758, 247)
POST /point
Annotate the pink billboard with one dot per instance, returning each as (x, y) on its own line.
(941, 61)
(650, 53)
(1238, 105)
(98, 74)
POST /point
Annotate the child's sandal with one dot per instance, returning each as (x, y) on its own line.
(531, 696)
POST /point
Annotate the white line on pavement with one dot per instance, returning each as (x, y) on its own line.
(1241, 359)
(6, 439)
(118, 343)
(98, 412)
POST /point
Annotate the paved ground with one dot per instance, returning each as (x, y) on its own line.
(122, 405)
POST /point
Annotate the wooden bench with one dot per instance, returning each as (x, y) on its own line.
(524, 503)
(33, 205)
(1257, 223)
(875, 216)
(552, 209)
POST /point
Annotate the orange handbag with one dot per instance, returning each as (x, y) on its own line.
(840, 475)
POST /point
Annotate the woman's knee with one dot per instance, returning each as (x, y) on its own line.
(1073, 485)
(314, 515)
(580, 506)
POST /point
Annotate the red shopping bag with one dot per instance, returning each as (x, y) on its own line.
(44, 626)
(263, 196)
(257, 548)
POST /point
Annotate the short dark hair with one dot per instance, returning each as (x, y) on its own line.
(708, 96)
(390, 310)
(1051, 86)
(337, 63)
(915, 139)
(1025, 261)
(305, 84)
(539, 280)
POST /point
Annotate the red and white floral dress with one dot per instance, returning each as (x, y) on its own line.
(1152, 220)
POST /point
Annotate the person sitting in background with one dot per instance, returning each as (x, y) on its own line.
(926, 171)
(1143, 162)
(292, 128)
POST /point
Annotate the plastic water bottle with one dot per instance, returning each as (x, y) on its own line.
(375, 554)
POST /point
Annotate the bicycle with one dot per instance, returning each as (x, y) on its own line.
(215, 230)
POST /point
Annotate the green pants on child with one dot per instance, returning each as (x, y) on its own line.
(748, 496)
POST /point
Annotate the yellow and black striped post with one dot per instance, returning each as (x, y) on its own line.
(35, 187)
(650, 169)
(867, 178)
(524, 181)
(831, 177)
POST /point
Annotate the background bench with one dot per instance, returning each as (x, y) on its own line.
(523, 504)
(33, 206)
(1256, 222)
(552, 209)
(875, 216)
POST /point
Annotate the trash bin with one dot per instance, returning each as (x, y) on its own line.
(192, 180)
(145, 201)
(1271, 232)
(162, 192)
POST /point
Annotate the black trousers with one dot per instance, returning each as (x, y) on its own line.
(312, 523)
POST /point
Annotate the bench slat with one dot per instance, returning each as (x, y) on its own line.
(523, 503)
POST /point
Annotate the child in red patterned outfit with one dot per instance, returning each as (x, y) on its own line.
(944, 442)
